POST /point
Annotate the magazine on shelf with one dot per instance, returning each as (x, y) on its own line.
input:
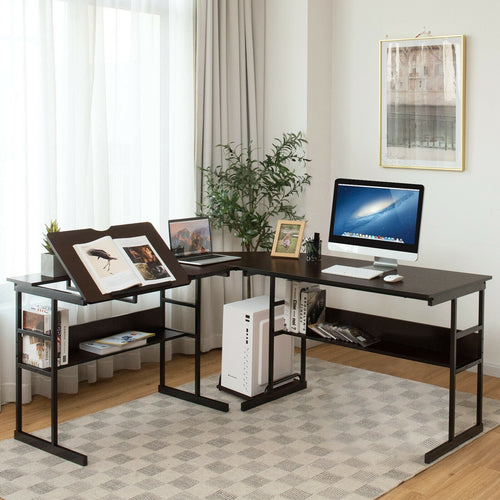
(344, 333)
(120, 263)
(36, 350)
(121, 339)
(116, 343)
(102, 349)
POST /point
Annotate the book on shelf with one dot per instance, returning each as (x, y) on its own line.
(344, 333)
(116, 343)
(120, 263)
(287, 305)
(312, 307)
(124, 338)
(36, 350)
(301, 300)
(293, 320)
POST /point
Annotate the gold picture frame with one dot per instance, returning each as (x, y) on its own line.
(422, 102)
(288, 238)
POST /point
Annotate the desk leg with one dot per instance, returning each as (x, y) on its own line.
(162, 347)
(479, 389)
(193, 397)
(53, 373)
(453, 371)
(456, 440)
(303, 347)
(270, 358)
(51, 446)
(19, 359)
(197, 338)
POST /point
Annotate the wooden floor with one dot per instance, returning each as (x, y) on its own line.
(472, 472)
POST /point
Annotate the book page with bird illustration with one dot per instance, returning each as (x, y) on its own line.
(117, 264)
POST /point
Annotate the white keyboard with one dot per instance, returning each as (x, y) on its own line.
(353, 272)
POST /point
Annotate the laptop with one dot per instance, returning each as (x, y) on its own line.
(191, 242)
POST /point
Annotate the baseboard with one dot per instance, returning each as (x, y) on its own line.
(492, 369)
(7, 392)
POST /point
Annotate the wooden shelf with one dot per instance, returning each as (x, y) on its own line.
(404, 339)
(78, 356)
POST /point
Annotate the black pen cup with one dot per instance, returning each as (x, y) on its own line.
(313, 251)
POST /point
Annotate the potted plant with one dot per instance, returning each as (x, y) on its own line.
(50, 264)
(247, 195)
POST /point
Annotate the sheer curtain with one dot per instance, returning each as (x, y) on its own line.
(229, 108)
(96, 129)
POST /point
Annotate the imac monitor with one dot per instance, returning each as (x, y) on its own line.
(378, 219)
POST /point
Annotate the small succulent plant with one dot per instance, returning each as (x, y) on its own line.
(53, 227)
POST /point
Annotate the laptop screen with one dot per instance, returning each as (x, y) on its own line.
(189, 236)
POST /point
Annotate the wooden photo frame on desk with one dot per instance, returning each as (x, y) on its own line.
(288, 238)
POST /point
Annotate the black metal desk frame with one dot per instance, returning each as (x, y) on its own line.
(458, 350)
(82, 290)
(145, 319)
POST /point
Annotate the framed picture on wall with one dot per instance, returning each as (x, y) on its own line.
(422, 95)
(288, 238)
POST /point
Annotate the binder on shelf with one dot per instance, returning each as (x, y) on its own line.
(312, 307)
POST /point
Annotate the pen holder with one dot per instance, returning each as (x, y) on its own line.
(313, 251)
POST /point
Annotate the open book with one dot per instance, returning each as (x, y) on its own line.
(117, 264)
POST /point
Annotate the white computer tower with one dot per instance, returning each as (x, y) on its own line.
(245, 346)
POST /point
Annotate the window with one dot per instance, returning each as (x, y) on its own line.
(98, 127)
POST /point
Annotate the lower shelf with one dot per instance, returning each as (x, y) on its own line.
(405, 339)
(77, 356)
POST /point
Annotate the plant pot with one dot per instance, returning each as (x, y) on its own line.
(51, 266)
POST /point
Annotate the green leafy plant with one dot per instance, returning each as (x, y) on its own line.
(248, 196)
(53, 227)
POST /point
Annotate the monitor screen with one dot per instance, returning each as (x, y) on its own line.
(379, 219)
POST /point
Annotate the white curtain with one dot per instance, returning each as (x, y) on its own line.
(96, 129)
(229, 108)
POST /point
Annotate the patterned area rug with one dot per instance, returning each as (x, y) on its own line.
(352, 434)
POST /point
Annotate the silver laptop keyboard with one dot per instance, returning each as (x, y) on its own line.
(202, 256)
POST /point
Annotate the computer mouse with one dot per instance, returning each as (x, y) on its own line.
(393, 278)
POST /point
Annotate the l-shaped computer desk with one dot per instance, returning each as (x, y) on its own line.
(450, 347)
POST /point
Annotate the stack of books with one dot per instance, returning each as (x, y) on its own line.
(343, 333)
(116, 343)
(305, 309)
(304, 304)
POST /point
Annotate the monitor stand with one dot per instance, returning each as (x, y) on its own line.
(383, 264)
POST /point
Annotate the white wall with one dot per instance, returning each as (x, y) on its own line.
(459, 227)
(286, 68)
